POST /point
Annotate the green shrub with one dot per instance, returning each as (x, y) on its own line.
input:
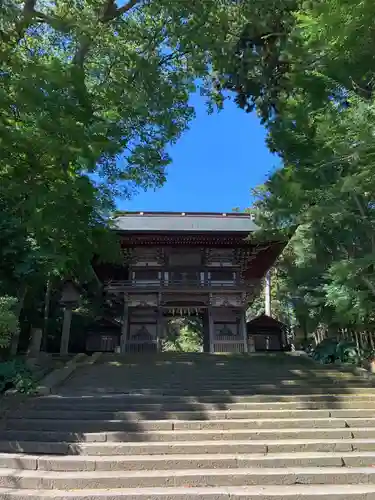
(8, 320)
(331, 351)
(16, 375)
(182, 337)
(348, 352)
(325, 352)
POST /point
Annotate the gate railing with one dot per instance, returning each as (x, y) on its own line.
(139, 346)
(228, 344)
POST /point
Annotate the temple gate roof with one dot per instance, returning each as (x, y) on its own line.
(180, 222)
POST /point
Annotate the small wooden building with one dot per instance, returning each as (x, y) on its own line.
(266, 334)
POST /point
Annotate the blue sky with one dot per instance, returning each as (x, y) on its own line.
(215, 164)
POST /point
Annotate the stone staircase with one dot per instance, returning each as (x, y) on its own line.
(173, 427)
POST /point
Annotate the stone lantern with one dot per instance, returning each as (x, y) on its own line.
(69, 299)
(70, 294)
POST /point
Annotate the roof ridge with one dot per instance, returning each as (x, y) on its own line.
(182, 214)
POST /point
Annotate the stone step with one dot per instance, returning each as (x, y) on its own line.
(112, 431)
(204, 407)
(30, 479)
(228, 364)
(134, 396)
(179, 461)
(108, 425)
(249, 366)
(280, 492)
(239, 372)
(189, 380)
(193, 414)
(214, 377)
(159, 414)
(318, 445)
(134, 382)
(239, 380)
(187, 435)
(144, 404)
(111, 448)
(183, 435)
(302, 368)
(202, 390)
(363, 392)
(199, 388)
(242, 372)
(248, 369)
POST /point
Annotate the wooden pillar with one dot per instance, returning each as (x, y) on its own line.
(206, 335)
(211, 332)
(267, 294)
(159, 329)
(65, 335)
(124, 326)
(243, 330)
(251, 345)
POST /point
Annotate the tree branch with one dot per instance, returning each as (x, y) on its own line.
(170, 57)
(81, 52)
(111, 11)
(29, 7)
(125, 8)
(29, 12)
(369, 284)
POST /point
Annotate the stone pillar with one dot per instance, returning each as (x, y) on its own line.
(65, 335)
(35, 341)
(243, 330)
(14, 343)
(211, 332)
(124, 326)
(69, 299)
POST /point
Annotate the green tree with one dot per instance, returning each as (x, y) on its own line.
(89, 103)
(312, 83)
(327, 182)
(91, 94)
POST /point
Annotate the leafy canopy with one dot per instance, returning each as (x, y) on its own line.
(320, 123)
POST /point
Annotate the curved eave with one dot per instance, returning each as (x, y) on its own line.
(265, 258)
